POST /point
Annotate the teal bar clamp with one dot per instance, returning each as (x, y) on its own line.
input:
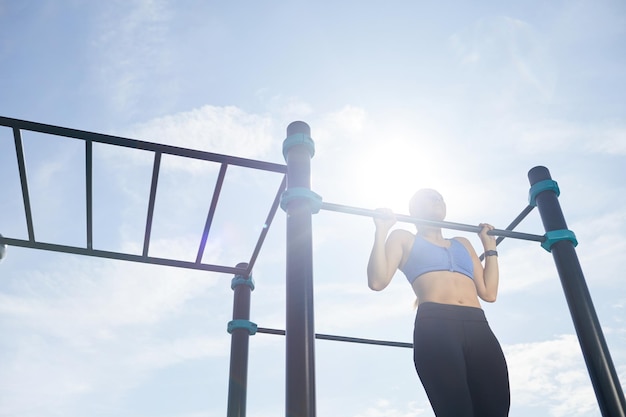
(298, 139)
(315, 200)
(554, 236)
(242, 324)
(241, 280)
(541, 186)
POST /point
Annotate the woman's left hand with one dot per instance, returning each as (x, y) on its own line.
(489, 241)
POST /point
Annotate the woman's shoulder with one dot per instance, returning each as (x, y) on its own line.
(462, 240)
(465, 242)
(401, 235)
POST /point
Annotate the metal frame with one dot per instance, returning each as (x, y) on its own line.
(300, 387)
(158, 150)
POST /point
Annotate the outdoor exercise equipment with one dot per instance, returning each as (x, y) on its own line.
(294, 195)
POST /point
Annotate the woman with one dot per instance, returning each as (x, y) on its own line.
(457, 357)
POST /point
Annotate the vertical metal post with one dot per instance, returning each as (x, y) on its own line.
(240, 329)
(300, 332)
(595, 351)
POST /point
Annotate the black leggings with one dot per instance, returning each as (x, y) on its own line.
(460, 362)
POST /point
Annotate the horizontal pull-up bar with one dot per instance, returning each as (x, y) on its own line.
(342, 338)
(446, 225)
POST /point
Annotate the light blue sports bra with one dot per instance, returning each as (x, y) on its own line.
(427, 257)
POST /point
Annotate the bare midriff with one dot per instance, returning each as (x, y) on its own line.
(446, 287)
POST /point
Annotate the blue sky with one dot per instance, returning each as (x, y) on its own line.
(461, 97)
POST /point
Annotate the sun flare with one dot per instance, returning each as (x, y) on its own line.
(389, 174)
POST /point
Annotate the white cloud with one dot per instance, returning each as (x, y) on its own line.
(514, 52)
(610, 140)
(80, 298)
(131, 44)
(554, 135)
(344, 125)
(525, 267)
(284, 107)
(601, 244)
(225, 130)
(385, 408)
(161, 354)
(395, 305)
(551, 374)
(86, 327)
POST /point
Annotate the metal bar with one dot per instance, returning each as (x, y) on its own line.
(151, 202)
(322, 336)
(137, 144)
(517, 221)
(121, 256)
(266, 225)
(446, 225)
(21, 164)
(209, 219)
(239, 346)
(300, 336)
(89, 191)
(513, 225)
(595, 351)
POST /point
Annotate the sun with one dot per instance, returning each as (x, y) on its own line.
(387, 175)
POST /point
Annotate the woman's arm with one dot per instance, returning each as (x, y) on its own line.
(386, 253)
(486, 278)
(491, 277)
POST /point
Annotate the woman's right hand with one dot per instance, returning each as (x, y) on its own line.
(385, 221)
